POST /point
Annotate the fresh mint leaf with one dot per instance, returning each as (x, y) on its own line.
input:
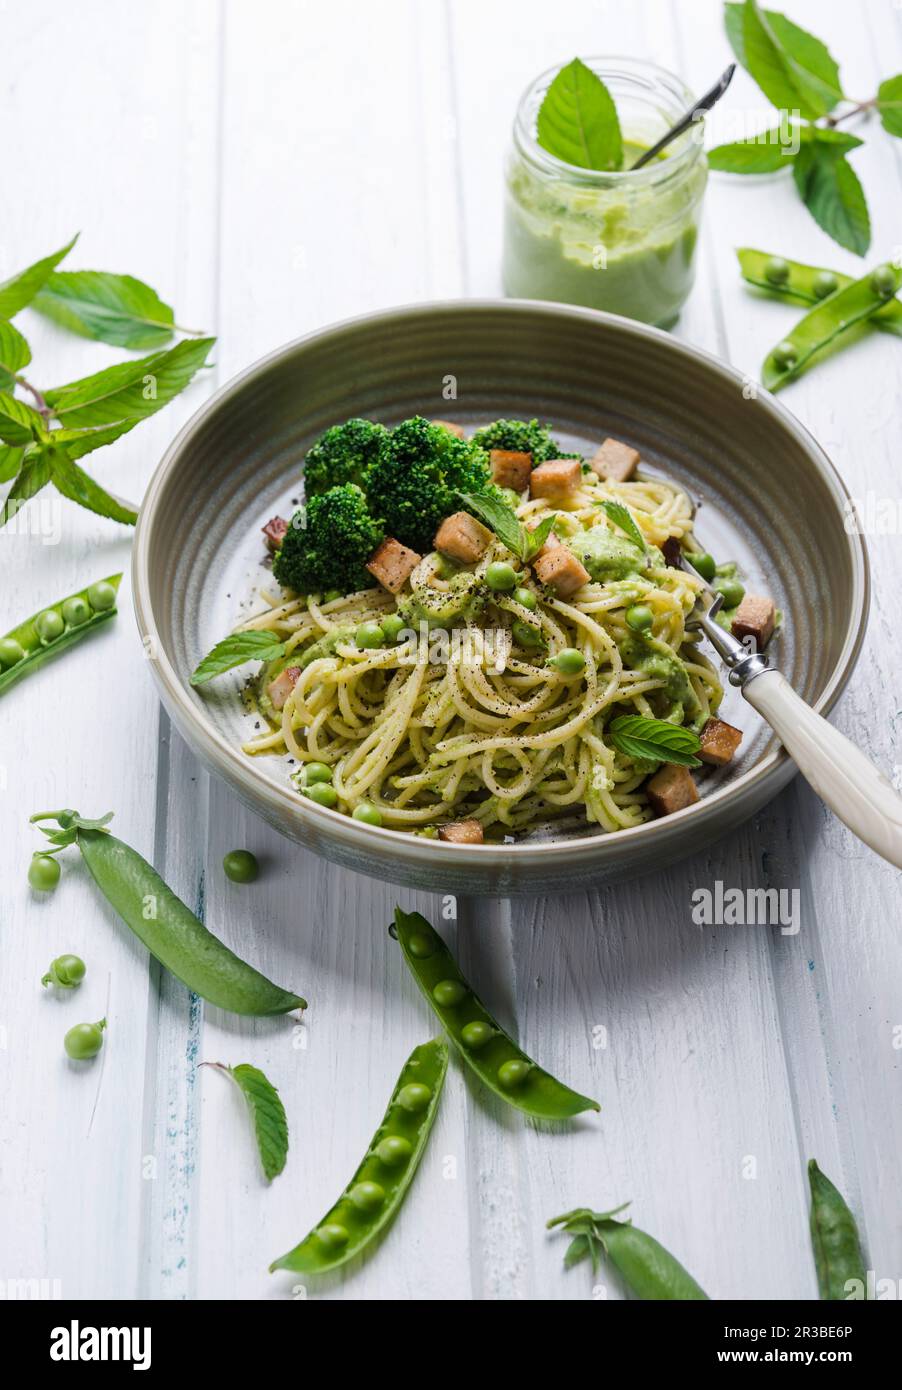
(10, 462)
(14, 354)
(21, 289)
(77, 443)
(577, 121)
(794, 70)
(32, 477)
(498, 516)
(115, 309)
(654, 740)
(831, 191)
(268, 1112)
(74, 483)
(623, 517)
(889, 104)
(235, 650)
(764, 154)
(129, 390)
(534, 540)
(19, 424)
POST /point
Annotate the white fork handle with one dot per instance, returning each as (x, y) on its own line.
(842, 776)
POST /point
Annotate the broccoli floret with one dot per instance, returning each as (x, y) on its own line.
(524, 437)
(328, 544)
(342, 455)
(413, 483)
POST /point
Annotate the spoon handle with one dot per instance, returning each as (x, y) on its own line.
(701, 106)
(846, 780)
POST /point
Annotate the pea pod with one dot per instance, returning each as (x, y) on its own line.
(827, 322)
(834, 1237)
(376, 1191)
(807, 284)
(493, 1055)
(55, 628)
(649, 1270)
(168, 928)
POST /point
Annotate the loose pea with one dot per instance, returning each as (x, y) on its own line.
(11, 652)
(733, 592)
(501, 576)
(241, 866)
(414, 1097)
(785, 355)
(476, 1035)
(43, 873)
(421, 947)
(332, 1236)
(777, 270)
(317, 772)
(368, 813)
(639, 617)
(49, 625)
(76, 611)
(568, 662)
(704, 563)
(367, 1196)
(825, 283)
(393, 624)
(526, 599)
(526, 634)
(445, 568)
(883, 281)
(513, 1073)
(331, 595)
(66, 971)
(448, 992)
(84, 1040)
(101, 596)
(393, 1150)
(369, 635)
(323, 794)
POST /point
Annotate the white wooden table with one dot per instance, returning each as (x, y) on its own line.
(271, 167)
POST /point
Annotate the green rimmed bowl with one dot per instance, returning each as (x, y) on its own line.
(768, 497)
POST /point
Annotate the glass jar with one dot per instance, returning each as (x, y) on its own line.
(619, 241)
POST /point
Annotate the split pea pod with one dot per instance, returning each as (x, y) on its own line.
(376, 1191)
(167, 927)
(53, 629)
(485, 1047)
(834, 1238)
(827, 322)
(650, 1271)
(806, 284)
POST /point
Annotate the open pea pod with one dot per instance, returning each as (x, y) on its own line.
(51, 630)
(806, 284)
(827, 322)
(485, 1047)
(376, 1191)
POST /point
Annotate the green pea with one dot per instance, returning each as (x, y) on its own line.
(11, 652)
(776, 270)
(322, 794)
(66, 971)
(332, 595)
(317, 772)
(639, 617)
(102, 596)
(733, 592)
(392, 625)
(448, 992)
(526, 599)
(76, 611)
(393, 1150)
(785, 355)
(445, 568)
(368, 813)
(369, 635)
(421, 946)
(414, 1097)
(332, 1236)
(241, 866)
(476, 1035)
(43, 873)
(501, 576)
(49, 625)
(568, 662)
(84, 1041)
(883, 281)
(513, 1073)
(367, 1196)
(526, 634)
(824, 283)
(703, 562)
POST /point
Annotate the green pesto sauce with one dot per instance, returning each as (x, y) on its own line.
(606, 555)
(657, 661)
(463, 598)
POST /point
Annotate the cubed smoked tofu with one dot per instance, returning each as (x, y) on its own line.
(462, 832)
(449, 425)
(560, 570)
(614, 461)
(392, 564)
(719, 742)
(672, 552)
(671, 789)
(510, 468)
(551, 543)
(280, 689)
(557, 480)
(463, 538)
(755, 617)
(275, 532)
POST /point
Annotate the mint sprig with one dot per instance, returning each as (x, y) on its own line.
(654, 740)
(268, 1112)
(235, 650)
(623, 517)
(508, 527)
(577, 121)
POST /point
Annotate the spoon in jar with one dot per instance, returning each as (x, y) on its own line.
(698, 110)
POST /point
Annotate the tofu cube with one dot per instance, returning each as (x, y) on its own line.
(449, 425)
(392, 564)
(614, 461)
(557, 480)
(550, 543)
(280, 689)
(671, 789)
(559, 568)
(275, 532)
(755, 617)
(510, 468)
(462, 832)
(719, 742)
(463, 538)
